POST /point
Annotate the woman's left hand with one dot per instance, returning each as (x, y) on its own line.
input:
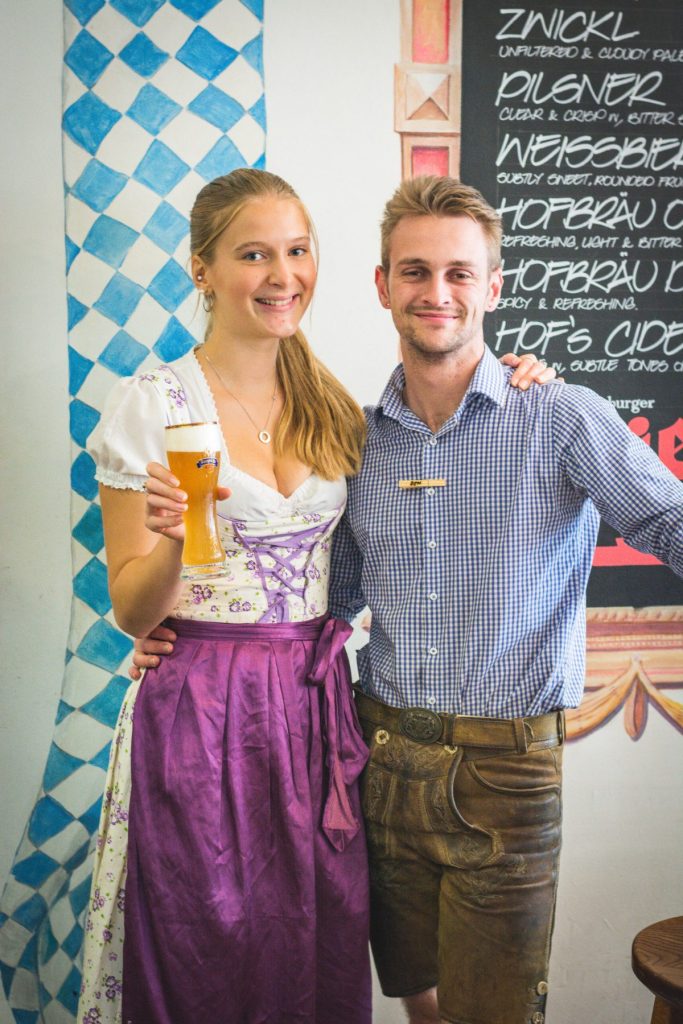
(528, 370)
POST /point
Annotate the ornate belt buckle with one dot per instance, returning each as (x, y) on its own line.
(420, 725)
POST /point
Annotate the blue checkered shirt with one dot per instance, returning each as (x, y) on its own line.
(477, 588)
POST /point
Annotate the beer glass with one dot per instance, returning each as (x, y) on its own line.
(194, 452)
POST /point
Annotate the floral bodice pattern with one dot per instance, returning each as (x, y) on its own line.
(277, 548)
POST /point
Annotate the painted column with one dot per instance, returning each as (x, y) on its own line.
(427, 87)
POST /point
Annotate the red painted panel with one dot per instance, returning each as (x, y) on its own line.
(431, 25)
(429, 160)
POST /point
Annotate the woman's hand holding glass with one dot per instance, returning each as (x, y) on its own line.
(165, 503)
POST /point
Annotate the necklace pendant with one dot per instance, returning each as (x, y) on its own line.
(264, 437)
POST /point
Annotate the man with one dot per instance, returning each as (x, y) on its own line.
(469, 533)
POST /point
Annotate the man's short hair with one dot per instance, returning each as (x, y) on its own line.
(434, 196)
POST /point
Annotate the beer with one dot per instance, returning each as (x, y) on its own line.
(194, 452)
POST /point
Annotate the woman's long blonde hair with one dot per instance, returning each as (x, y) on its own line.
(320, 423)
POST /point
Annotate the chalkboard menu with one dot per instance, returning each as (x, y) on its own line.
(572, 126)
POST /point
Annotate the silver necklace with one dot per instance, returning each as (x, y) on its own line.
(263, 434)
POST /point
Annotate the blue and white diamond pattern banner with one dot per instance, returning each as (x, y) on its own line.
(160, 96)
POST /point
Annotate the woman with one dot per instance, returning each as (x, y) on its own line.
(246, 896)
(246, 893)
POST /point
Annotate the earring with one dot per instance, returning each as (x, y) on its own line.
(207, 301)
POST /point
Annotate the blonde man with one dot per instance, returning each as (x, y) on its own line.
(469, 532)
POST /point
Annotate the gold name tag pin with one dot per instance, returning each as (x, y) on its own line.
(409, 485)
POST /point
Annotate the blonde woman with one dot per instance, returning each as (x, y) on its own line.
(246, 893)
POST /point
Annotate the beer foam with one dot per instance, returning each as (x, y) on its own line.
(193, 437)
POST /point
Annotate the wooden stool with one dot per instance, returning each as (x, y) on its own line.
(657, 960)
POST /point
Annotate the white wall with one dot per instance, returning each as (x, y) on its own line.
(35, 581)
(329, 94)
(330, 135)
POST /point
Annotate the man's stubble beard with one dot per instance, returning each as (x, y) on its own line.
(427, 354)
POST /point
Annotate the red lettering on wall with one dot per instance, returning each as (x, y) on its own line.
(640, 426)
(670, 448)
(670, 451)
(621, 553)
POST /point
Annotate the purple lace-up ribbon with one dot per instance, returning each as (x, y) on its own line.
(282, 549)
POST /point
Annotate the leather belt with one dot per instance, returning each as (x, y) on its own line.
(424, 726)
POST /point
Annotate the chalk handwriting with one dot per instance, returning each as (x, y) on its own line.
(594, 365)
(623, 53)
(536, 335)
(623, 153)
(544, 52)
(595, 304)
(654, 117)
(660, 242)
(613, 89)
(563, 26)
(542, 241)
(574, 277)
(640, 345)
(668, 56)
(586, 213)
(645, 336)
(517, 178)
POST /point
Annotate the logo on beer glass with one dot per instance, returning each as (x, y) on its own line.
(194, 452)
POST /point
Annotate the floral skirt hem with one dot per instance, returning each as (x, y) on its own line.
(101, 988)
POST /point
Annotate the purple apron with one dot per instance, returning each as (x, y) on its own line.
(247, 891)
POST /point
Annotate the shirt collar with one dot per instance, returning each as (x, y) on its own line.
(489, 380)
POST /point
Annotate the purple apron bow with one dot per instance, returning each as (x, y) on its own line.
(345, 748)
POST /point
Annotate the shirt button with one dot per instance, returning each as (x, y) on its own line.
(430, 491)
(433, 650)
(432, 441)
(433, 597)
(431, 700)
(431, 544)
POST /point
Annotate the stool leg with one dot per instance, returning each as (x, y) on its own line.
(665, 1013)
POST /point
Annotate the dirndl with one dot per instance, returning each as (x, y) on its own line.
(247, 893)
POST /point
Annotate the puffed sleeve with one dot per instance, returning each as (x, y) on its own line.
(130, 434)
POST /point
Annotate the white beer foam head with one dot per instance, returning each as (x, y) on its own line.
(193, 437)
